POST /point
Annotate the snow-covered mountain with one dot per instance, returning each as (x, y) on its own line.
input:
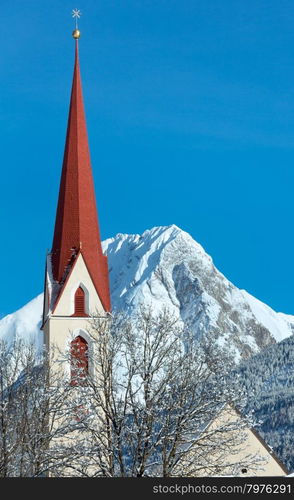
(268, 379)
(165, 267)
(24, 323)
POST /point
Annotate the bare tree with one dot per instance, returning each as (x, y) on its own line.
(38, 417)
(153, 401)
(147, 406)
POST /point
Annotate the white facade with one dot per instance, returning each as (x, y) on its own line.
(60, 326)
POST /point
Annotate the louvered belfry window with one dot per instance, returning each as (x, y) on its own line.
(79, 361)
(80, 303)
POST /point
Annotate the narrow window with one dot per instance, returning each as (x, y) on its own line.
(79, 361)
(80, 309)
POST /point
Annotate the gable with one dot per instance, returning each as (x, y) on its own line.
(254, 445)
(78, 277)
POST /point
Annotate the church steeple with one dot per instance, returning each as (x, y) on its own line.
(76, 278)
(76, 226)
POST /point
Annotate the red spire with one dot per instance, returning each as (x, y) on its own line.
(76, 225)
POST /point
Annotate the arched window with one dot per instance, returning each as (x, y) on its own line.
(79, 365)
(80, 309)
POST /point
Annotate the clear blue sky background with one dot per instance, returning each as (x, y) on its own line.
(190, 111)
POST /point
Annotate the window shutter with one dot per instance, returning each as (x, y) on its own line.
(80, 303)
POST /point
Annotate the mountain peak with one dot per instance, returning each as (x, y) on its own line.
(165, 268)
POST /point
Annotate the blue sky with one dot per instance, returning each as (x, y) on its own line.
(190, 112)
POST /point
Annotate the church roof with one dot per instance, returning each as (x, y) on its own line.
(76, 226)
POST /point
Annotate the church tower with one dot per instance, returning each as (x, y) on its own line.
(76, 280)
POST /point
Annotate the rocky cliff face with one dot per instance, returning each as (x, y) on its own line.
(165, 267)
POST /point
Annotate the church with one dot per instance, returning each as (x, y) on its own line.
(76, 276)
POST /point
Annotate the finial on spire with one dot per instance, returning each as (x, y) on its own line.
(76, 14)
